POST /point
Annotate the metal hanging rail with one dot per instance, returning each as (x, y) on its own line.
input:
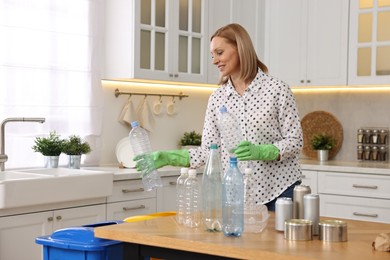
(180, 95)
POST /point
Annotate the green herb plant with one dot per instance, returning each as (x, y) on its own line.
(191, 138)
(322, 142)
(74, 145)
(49, 146)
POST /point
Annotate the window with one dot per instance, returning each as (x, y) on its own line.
(50, 60)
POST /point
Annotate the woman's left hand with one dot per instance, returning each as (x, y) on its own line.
(246, 151)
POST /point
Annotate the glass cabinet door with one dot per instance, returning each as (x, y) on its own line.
(153, 35)
(370, 38)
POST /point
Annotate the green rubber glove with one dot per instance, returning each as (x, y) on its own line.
(163, 158)
(246, 151)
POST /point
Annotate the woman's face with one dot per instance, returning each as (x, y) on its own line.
(224, 56)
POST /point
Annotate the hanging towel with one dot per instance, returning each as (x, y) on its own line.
(146, 118)
(128, 113)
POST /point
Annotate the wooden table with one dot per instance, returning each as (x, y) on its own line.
(164, 238)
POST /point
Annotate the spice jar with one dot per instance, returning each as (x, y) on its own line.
(374, 136)
(360, 136)
(360, 153)
(367, 136)
(374, 153)
(382, 136)
(367, 153)
(382, 153)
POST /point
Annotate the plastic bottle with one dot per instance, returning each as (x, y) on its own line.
(230, 129)
(192, 213)
(180, 195)
(212, 192)
(140, 144)
(233, 200)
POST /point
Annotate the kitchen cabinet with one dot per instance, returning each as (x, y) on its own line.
(156, 39)
(309, 178)
(250, 15)
(308, 41)
(354, 196)
(18, 232)
(369, 42)
(129, 199)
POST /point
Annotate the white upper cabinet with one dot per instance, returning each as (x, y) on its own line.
(308, 41)
(248, 13)
(369, 42)
(156, 39)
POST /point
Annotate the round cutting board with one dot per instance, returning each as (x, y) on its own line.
(321, 122)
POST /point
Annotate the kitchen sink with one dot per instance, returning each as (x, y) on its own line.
(52, 185)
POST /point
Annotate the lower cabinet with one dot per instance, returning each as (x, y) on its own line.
(347, 195)
(18, 232)
(166, 196)
(129, 198)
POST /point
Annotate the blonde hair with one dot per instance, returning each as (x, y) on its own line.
(236, 35)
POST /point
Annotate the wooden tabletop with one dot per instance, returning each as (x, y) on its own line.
(269, 244)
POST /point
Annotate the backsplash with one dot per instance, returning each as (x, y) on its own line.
(353, 109)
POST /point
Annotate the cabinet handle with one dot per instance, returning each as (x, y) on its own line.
(302, 81)
(308, 81)
(172, 183)
(365, 215)
(176, 75)
(50, 219)
(133, 190)
(373, 187)
(170, 75)
(58, 218)
(134, 208)
(303, 176)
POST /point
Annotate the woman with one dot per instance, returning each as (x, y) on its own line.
(268, 117)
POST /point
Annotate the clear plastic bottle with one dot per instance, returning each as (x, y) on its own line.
(212, 192)
(230, 129)
(233, 200)
(180, 195)
(139, 140)
(192, 196)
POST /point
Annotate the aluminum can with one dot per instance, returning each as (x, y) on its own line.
(299, 192)
(283, 212)
(311, 210)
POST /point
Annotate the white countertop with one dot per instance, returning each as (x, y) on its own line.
(131, 173)
(380, 168)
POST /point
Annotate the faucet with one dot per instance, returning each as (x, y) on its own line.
(3, 156)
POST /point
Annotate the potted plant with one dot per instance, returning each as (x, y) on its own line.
(50, 147)
(322, 143)
(74, 147)
(191, 139)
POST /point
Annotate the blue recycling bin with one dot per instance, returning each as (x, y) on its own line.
(79, 243)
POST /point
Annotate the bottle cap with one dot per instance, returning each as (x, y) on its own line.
(184, 171)
(213, 146)
(233, 159)
(192, 172)
(134, 124)
(248, 171)
(222, 109)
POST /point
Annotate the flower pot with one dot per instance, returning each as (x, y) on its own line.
(74, 161)
(51, 161)
(322, 155)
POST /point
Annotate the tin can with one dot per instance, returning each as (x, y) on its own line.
(311, 210)
(283, 212)
(299, 192)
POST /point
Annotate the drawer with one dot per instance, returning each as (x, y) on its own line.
(362, 185)
(366, 209)
(122, 210)
(129, 190)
